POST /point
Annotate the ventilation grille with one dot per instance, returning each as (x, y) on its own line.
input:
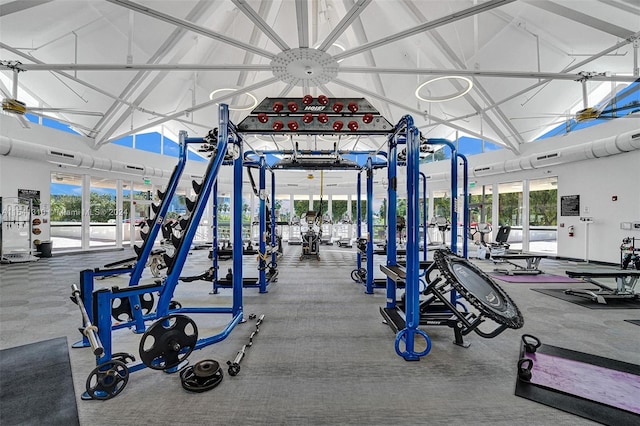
(636, 136)
(548, 156)
(141, 169)
(61, 154)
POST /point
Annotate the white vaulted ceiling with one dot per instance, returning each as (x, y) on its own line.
(151, 65)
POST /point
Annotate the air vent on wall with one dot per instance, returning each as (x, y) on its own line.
(482, 169)
(61, 154)
(548, 156)
(134, 168)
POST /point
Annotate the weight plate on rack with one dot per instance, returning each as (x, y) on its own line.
(121, 306)
(168, 341)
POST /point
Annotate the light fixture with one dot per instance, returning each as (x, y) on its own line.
(447, 97)
(238, 108)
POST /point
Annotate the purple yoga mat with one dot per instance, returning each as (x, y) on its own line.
(540, 278)
(611, 387)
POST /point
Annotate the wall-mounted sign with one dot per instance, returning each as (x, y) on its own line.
(34, 196)
(570, 205)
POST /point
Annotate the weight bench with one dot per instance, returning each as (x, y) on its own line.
(532, 261)
(626, 281)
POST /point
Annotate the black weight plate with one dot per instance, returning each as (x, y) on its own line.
(121, 309)
(193, 383)
(168, 341)
(146, 302)
(479, 289)
(206, 368)
(107, 380)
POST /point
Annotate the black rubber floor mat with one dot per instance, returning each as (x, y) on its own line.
(36, 386)
(583, 301)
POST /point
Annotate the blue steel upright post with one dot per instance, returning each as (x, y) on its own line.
(358, 219)
(412, 281)
(262, 244)
(237, 226)
(369, 289)
(465, 206)
(392, 205)
(274, 239)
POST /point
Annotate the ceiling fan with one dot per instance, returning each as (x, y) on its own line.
(11, 104)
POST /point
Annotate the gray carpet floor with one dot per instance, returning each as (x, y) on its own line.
(322, 356)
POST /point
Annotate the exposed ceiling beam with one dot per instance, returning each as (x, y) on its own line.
(580, 17)
(263, 10)
(479, 89)
(19, 6)
(361, 37)
(633, 8)
(191, 27)
(568, 69)
(346, 21)
(170, 42)
(260, 23)
(477, 73)
(200, 106)
(419, 113)
(302, 17)
(456, 16)
(532, 75)
(141, 67)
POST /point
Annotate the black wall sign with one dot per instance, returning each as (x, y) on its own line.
(570, 205)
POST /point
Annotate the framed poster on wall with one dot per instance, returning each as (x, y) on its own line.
(34, 196)
(569, 205)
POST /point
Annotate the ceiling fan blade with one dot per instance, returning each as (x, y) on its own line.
(23, 121)
(550, 116)
(66, 111)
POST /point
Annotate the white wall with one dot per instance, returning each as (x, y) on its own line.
(596, 180)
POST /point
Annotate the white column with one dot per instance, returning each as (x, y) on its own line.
(525, 215)
(86, 212)
(119, 215)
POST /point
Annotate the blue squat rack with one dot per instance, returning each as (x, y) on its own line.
(96, 305)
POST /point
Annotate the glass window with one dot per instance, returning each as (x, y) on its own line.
(170, 147)
(442, 205)
(300, 205)
(148, 142)
(66, 211)
(339, 204)
(510, 211)
(543, 215)
(125, 141)
(102, 212)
